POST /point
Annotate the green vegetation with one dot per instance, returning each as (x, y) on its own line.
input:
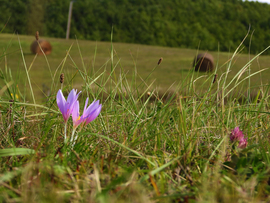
(145, 146)
(210, 25)
(129, 58)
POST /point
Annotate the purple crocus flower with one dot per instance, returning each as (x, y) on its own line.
(237, 135)
(76, 115)
(90, 113)
(66, 106)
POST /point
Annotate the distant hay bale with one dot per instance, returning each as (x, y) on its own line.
(45, 46)
(204, 62)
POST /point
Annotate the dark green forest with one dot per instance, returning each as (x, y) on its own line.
(208, 25)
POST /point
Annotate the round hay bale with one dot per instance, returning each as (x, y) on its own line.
(204, 62)
(45, 46)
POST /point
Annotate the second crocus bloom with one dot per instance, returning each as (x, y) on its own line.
(90, 113)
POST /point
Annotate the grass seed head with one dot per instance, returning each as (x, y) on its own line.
(37, 35)
(215, 78)
(160, 60)
(62, 78)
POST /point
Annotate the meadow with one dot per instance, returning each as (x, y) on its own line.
(165, 133)
(95, 58)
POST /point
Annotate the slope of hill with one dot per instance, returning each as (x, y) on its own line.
(132, 60)
(211, 25)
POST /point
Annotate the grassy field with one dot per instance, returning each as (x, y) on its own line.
(95, 57)
(142, 147)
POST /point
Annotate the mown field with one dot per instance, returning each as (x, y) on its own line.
(95, 57)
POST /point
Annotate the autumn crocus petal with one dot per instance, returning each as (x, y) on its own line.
(76, 115)
(61, 101)
(93, 114)
(86, 102)
(90, 108)
(90, 112)
(75, 112)
(72, 98)
(66, 107)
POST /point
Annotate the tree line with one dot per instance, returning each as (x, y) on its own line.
(209, 25)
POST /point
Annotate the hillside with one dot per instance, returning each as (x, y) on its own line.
(133, 60)
(210, 25)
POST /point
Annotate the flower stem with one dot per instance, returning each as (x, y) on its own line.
(65, 133)
(65, 145)
(72, 140)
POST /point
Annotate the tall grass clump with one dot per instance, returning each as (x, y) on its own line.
(193, 143)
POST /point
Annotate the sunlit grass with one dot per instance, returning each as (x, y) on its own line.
(94, 57)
